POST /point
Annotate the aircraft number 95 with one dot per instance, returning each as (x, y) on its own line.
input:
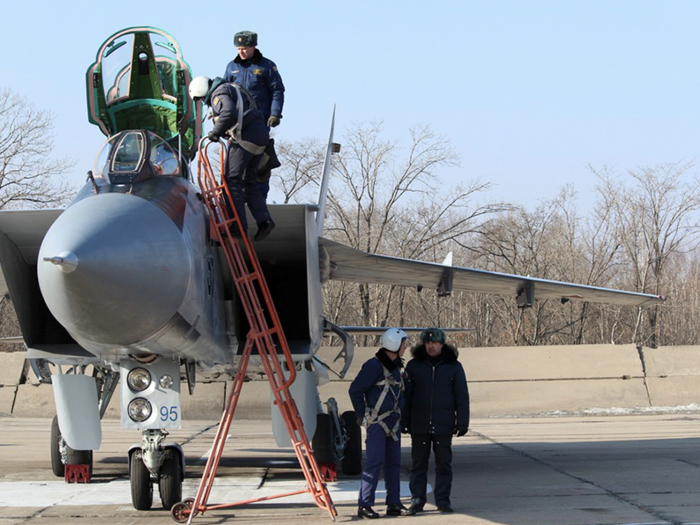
(169, 413)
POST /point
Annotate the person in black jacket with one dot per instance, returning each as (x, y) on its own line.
(436, 408)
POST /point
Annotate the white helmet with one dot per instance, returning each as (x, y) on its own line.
(392, 339)
(199, 87)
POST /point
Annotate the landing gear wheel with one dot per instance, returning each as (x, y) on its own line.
(57, 466)
(322, 442)
(170, 482)
(351, 464)
(141, 486)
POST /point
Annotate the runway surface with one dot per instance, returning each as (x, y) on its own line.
(632, 469)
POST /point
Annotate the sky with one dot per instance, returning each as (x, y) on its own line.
(530, 93)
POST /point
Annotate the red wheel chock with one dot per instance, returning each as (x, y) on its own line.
(77, 473)
(328, 472)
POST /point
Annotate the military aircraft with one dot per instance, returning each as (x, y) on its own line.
(127, 282)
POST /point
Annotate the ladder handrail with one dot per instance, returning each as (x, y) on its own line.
(264, 337)
(207, 180)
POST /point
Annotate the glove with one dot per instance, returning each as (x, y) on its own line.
(461, 430)
(359, 421)
(213, 136)
(273, 122)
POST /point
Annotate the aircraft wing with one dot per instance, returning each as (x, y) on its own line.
(349, 264)
(21, 232)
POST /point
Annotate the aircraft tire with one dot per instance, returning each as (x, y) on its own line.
(322, 442)
(57, 466)
(170, 482)
(141, 486)
(351, 465)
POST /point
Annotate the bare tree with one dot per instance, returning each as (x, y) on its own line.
(382, 205)
(300, 170)
(28, 174)
(655, 219)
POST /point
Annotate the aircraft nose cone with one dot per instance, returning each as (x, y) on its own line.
(113, 269)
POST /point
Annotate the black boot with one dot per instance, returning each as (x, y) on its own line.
(397, 509)
(367, 512)
(264, 229)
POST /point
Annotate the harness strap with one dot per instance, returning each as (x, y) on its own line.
(236, 132)
(373, 416)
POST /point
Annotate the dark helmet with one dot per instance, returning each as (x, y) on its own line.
(432, 334)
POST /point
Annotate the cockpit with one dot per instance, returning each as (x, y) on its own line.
(136, 155)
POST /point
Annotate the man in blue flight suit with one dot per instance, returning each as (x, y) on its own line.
(437, 406)
(236, 118)
(377, 393)
(259, 75)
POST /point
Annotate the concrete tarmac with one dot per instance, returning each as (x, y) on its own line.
(633, 469)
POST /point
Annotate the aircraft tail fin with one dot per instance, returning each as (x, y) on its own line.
(322, 197)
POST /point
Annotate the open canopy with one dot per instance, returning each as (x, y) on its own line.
(139, 81)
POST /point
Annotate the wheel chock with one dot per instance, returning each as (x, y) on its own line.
(328, 472)
(77, 473)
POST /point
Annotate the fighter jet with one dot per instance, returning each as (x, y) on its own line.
(128, 283)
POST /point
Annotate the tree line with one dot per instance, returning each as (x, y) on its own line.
(386, 197)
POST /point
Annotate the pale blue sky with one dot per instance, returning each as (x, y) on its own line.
(530, 92)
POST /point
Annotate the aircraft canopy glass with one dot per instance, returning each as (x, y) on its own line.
(136, 155)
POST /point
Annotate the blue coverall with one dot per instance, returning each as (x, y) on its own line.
(383, 444)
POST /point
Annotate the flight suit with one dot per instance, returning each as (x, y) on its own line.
(243, 155)
(377, 393)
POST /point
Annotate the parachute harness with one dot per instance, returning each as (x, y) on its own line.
(373, 416)
(235, 134)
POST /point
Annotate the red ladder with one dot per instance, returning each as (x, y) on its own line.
(266, 335)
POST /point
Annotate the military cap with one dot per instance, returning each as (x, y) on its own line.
(432, 334)
(245, 39)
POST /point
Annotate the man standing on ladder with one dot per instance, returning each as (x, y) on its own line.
(237, 118)
(377, 392)
(259, 75)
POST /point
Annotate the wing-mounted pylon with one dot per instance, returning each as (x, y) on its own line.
(139, 81)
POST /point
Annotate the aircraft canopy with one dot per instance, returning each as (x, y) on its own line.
(136, 155)
(139, 81)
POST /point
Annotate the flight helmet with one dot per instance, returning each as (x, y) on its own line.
(392, 338)
(199, 87)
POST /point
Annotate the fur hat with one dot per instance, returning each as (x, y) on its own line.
(245, 39)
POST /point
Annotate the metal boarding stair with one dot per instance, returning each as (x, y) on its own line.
(266, 336)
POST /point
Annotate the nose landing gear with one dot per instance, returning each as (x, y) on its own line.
(154, 463)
